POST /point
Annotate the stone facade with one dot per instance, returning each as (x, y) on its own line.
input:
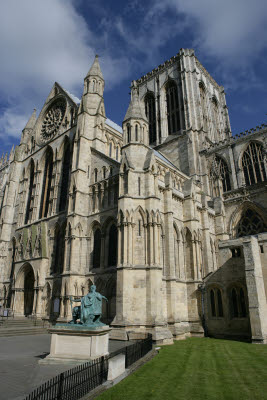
(166, 216)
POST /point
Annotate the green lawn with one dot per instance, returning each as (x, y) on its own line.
(198, 368)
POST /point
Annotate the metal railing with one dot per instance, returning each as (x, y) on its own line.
(77, 382)
(74, 383)
(137, 350)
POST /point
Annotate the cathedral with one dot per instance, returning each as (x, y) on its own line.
(166, 215)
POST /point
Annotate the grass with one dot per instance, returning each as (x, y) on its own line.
(198, 369)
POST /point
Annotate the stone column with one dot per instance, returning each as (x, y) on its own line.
(256, 291)
(156, 243)
(125, 243)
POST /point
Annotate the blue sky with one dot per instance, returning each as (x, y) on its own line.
(55, 40)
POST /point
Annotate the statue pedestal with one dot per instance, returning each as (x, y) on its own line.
(72, 344)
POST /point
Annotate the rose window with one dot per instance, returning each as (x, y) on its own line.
(53, 119)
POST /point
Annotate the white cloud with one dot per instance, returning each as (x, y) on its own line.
(234, 31)
(42, 42)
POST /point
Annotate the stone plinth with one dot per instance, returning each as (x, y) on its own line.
(76, 344)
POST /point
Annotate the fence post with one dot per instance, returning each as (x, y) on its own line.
(102, 369)
(60, 386)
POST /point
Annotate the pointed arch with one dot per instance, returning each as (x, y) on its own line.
(29, 208)
(189, 254)
(253, 163)
(150, 110)
(203, 102)
(219, 171)
(47, 183)
(248, 219)
(97, 248)
(174, 124)
(65, 175)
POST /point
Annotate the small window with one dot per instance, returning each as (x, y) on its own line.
(110, 149)
(212, 303)
(117, 153)
(220, 305)
(129, 133)
(139, 186)
(234, 303)
(261, 248)
(136, 133)
(95, 175)
(139, 227)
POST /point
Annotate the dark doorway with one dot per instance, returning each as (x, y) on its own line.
(28, 292)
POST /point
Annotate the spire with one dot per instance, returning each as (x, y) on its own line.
(30, 124)
(11, 155)
(135, 110)
(95, 69)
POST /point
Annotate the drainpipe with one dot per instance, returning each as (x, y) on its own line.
(202, 289)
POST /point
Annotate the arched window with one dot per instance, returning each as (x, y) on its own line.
(212, 303)
(139, 186)
(125, 180)
(95, 174)
(219, 302)
(97, 249)
(172, 108)
(57, 251)
(128, 133)
(65, 173)
(234, 303)
(203, 105)
(216, 304)
(117, 153)
(215, 117)
(238, 308)
(136, 133)
(110, 149)
(219, 171)
(112, 246)
(189, 255)
(250, 224)
(29, 208)
(104, 172)
(150, 109)
(253, 164)
(46, 183)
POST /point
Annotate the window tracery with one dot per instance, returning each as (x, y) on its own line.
(219, 172)
(65, 177)
(253, 164)
(29, 208)
(53, 119)
(172, 108)
(150, 110)
(47, 183)
(250, 224)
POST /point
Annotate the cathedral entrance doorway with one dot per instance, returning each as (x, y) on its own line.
(28, 292)
(24, 291)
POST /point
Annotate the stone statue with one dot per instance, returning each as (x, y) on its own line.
(90, 310)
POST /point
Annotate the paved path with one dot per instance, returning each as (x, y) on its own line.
(19, 368)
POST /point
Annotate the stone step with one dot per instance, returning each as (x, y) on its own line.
(23, 331)
(14, 322)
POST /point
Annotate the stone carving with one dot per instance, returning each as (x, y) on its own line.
(53, 119)
(90, 310)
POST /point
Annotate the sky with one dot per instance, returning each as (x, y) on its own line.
(56, 40)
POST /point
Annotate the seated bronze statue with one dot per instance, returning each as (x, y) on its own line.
(90, 310)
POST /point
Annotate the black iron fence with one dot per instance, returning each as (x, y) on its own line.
(77, 382)
(137, 350)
